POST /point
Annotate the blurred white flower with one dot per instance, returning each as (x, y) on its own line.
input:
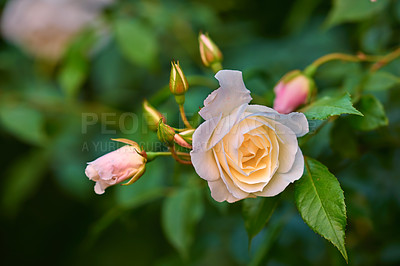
(44, 28)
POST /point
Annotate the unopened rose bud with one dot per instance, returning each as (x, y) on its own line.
(116, 167)
(187, 135)
(209, 51)
(152, 116)
(165, 133)
(178, 83)
(292, 91)
(181, 141)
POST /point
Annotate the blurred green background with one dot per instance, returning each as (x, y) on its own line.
(56, 116)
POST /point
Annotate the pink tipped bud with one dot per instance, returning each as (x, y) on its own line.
(116, 167)
(181, 141)
(209, 51)
(178, 84)
(165, 133)
(292, 91)
(152, 116)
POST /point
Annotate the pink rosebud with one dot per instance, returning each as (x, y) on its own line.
(116, 167)
(291, 92)
(209, 51)
(181, 141)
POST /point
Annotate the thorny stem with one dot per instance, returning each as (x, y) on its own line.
(176, 157)
(385, 60)
(336, 56)
(311, 69)
(183, 116)
(152, 155)
(380, 61)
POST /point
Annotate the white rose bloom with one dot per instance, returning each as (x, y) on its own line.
(44, 28)
(243, 150)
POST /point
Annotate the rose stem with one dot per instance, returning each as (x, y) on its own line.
(183, 116)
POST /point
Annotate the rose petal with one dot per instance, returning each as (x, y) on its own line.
(201, 156)
(236, 136)
(280, 181)
(231, 94)
(226, 125)
(237, 188)
(255, 108)
(288, 144)
(297, 122)
(203, 133)
(91, 172)
(219, 192)
(269, 160)
(98, 188)
(232, 188)
(287, 152)
(205, 165)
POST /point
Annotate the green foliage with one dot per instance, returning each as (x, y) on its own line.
(374, 114)
(145, 189)
(330, 106)
(320, 201)
(380, 81)
(24, 122)
(181, 211)
(354, 10)
(260, 257)
(256, 214)
(75, 67)
(343, 139)
(72, 74)
(22, 180)
(137, 41)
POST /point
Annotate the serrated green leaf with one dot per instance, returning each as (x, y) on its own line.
(374, 114)
(353, 10)
(256, 213)
(380, 81)
(320, 201)
(330, 106)
(24, 122)
(180, 213)
(137, 41)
